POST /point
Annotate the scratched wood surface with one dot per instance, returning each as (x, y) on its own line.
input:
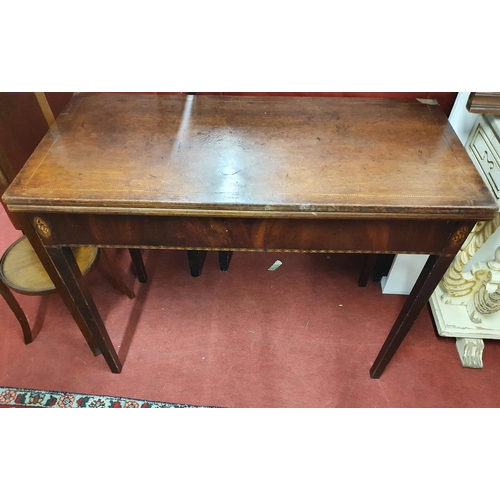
(255, 155)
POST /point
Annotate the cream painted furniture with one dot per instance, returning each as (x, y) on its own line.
(466, 304)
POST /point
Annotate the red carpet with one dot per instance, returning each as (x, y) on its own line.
(303, 335)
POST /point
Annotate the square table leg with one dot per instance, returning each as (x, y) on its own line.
(196, 260)
(76, 290)
(140, 268)
(427, 282)
(24, 224)
(224, 260)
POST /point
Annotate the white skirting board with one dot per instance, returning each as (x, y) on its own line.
(403, 274)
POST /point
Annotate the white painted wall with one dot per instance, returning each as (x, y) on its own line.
(461, 120)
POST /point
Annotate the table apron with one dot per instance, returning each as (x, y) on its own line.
(304, 235)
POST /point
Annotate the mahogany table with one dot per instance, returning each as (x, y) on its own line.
(277, 174)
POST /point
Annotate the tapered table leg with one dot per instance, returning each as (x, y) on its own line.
(427, 282)
(366, 272)
(25, 225)
(196, 260)
(140, 268)
(75, 291)
(116, 273)
(224, 260)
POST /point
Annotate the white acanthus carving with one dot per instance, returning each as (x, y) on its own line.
(486, 297)
(464, 304)
(470, 352)
(457, 284)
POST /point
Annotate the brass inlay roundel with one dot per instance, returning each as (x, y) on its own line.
(42, 227)
(460, 235)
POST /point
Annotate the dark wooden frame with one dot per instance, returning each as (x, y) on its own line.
(484, 103)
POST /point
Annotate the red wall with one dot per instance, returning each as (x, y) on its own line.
(445, 99)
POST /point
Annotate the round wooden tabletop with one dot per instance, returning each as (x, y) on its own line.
(22, 271)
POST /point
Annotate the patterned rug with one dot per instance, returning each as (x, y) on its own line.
(15, 397)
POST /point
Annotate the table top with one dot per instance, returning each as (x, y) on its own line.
(259, 156)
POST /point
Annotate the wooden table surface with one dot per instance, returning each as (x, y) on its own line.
(244, 173)
(330, 156)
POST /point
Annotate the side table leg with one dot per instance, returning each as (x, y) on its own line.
(116, 273)
(427, 282)
(196, 260)
(224, 260)
(470, 352)
(140, 268)
(79, 300)
(367, 270)
(17, 310)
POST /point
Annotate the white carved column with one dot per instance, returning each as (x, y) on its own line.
(465, 304)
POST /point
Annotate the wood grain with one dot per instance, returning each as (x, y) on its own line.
(484, 103)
